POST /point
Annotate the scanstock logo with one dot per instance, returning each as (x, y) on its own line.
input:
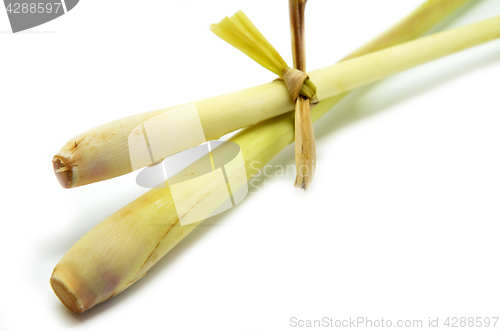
(202, 181)
(26, 14)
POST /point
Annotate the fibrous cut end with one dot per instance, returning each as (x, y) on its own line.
(68, 298)
(62, 170)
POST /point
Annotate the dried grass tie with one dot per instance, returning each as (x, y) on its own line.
(241, 33)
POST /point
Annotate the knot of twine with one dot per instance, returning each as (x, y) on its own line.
(298, 83)
(241, 33)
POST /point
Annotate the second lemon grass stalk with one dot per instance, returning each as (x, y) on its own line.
(103, 152)
(122, 248)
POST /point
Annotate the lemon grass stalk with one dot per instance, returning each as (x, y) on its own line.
(122, 248)
(103, 152)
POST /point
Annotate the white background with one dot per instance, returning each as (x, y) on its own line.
(402, 221)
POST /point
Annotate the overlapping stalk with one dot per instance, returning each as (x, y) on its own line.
(122, 248)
